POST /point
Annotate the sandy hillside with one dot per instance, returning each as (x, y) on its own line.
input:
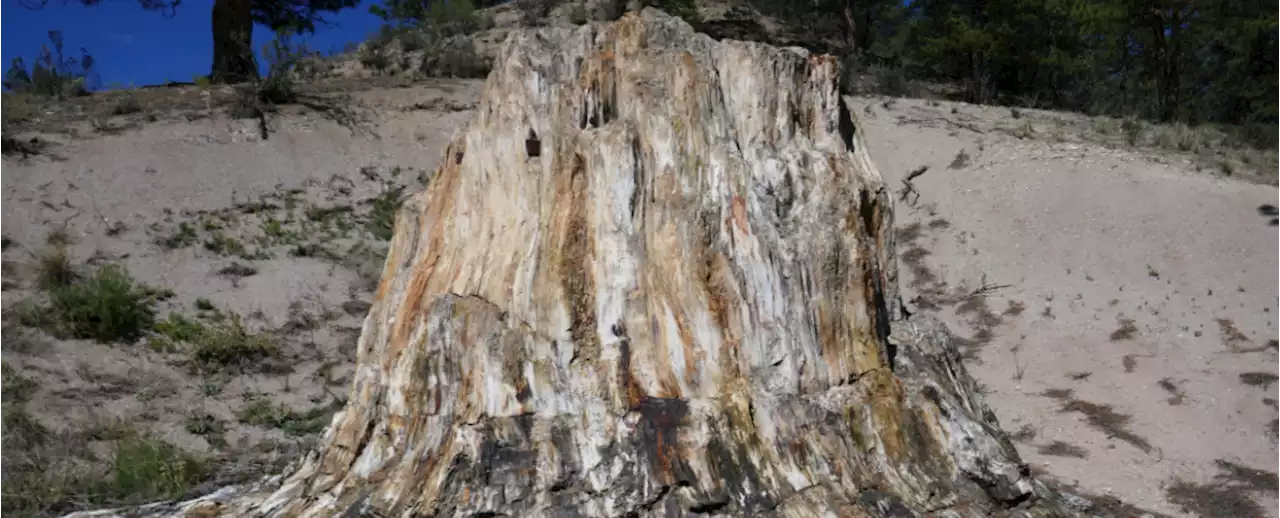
(1119, 307)
(259, 257)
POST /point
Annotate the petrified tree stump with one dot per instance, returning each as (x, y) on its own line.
(654, 276)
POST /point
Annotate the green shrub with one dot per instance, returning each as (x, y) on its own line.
(178, 328)
(282, 57)
(1104, 125)
(1133, 130)
(454, 57)
(215, 342)
(127, 105)
(145, 469)
(54, 268)
(229, 344)
(279, 85)
(19, 108)
(382, 221)
(438, 29)
(108, 307)
(266, 414)
(51, 74)
(1253, 135)
(49, 473)
(889, 81)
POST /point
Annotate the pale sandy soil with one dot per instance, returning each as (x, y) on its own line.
(1126, 332)
(1127, 335)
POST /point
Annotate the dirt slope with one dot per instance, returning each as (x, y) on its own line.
(263, 253)
(1126, 329)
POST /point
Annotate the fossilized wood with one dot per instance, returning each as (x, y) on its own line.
(653, 277)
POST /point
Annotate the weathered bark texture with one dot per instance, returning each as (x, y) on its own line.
(233, 59)
(654, 276)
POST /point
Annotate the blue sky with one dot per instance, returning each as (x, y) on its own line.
(136, 47)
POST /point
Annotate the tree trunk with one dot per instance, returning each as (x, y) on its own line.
(233, 57)
(654, 276)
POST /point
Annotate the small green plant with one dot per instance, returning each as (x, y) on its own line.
(282, 56)
(16, 109)
(54, 268)
(108, 306)
(144, 469)
(183, 236)
(203, 424)
(1104, 125)
(176, 328)
(278, 86)
(1133, 130)
(238, 270)
(277, 232)
(383, 219)
(229, 344)
(127, 105)
(210, 388)
(207, 426)
(375, 59)
(264, 413)
(19, 108)
(1229, 167)
(158, 293)
(1168, 137)
(1024, 130)
(220, 243)
(214, 342)
(58, 237)
(204, 304)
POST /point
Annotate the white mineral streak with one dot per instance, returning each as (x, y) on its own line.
(653, 276)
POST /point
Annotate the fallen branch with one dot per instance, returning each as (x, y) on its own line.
(916, 173)
(909, 189)
(961, 125)
(985, 288)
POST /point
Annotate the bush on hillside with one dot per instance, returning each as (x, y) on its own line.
(439, 30)
(51, 74)
(108, 306)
